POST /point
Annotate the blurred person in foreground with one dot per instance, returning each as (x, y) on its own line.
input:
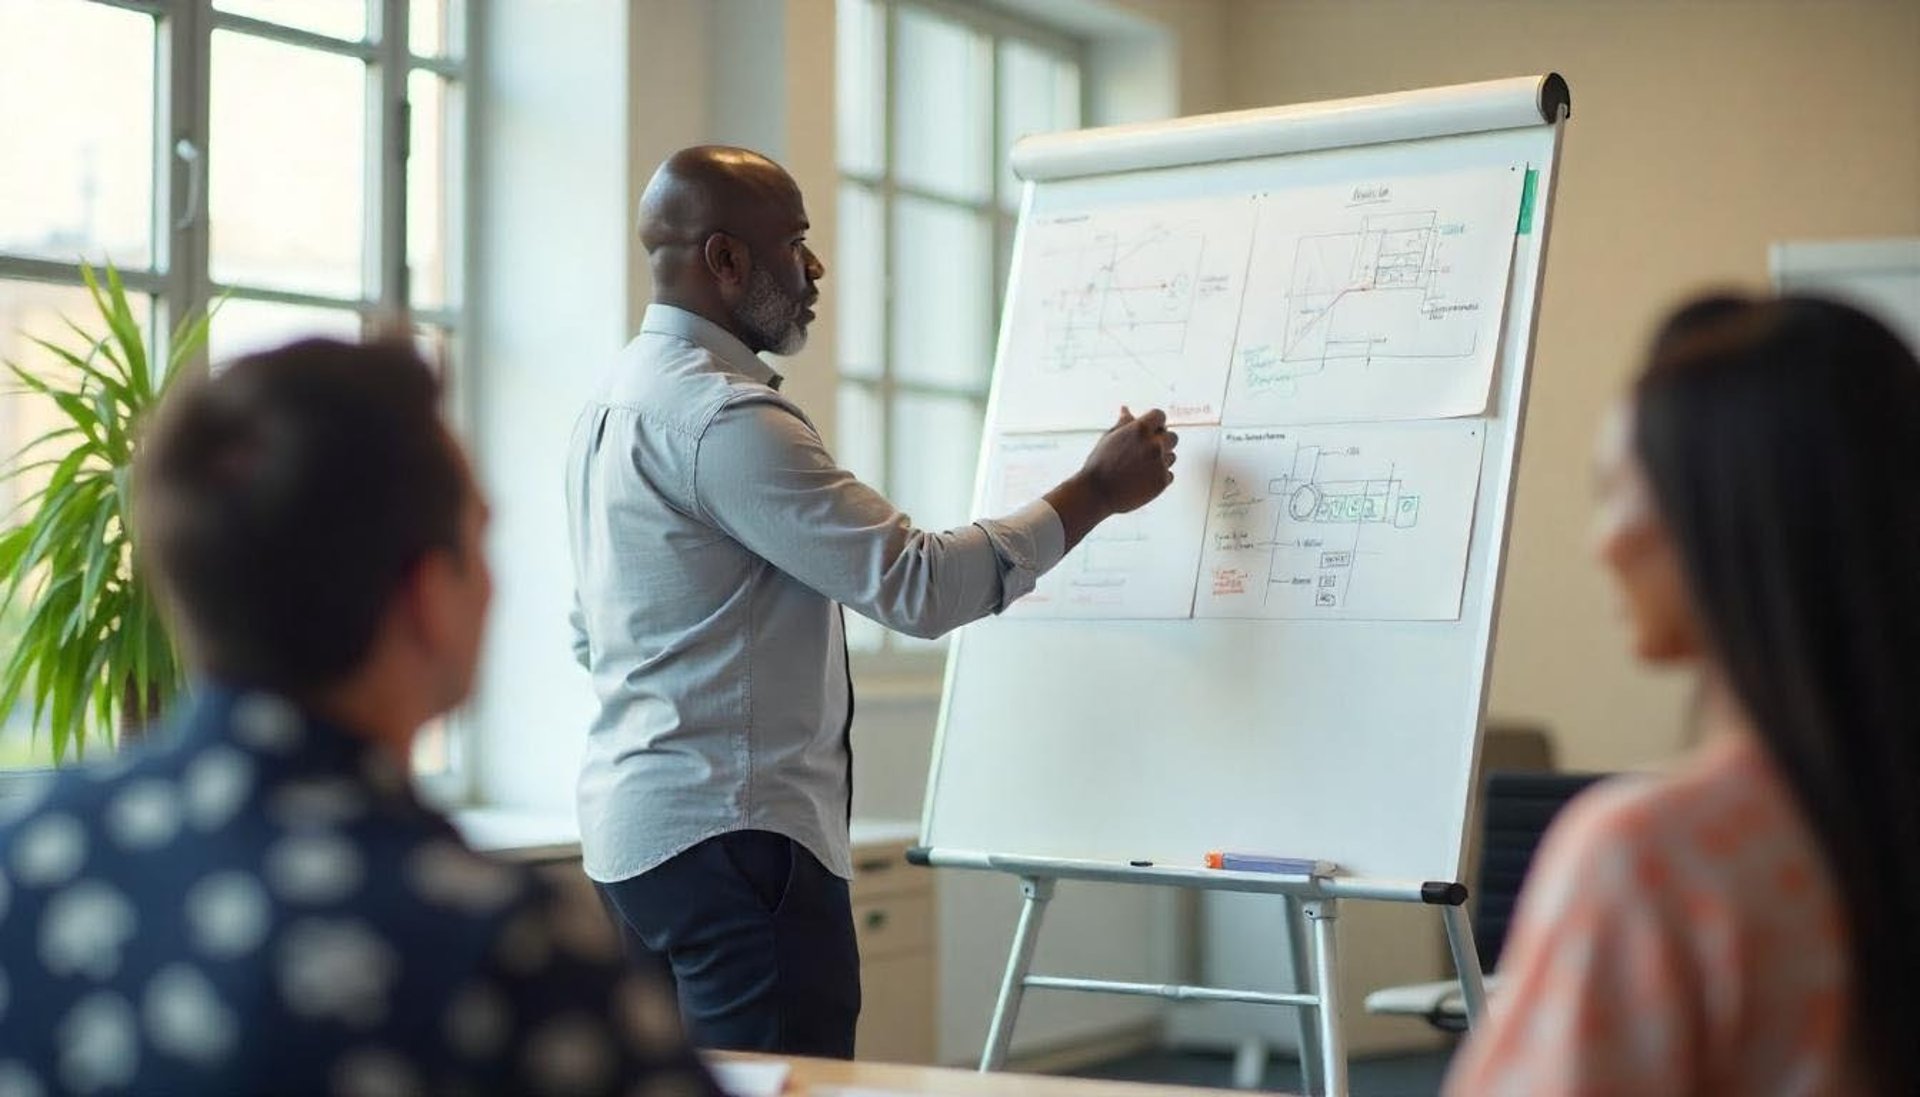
(1745, 925)
(254, 901)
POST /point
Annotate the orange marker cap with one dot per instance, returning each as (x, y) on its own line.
(1215, 859)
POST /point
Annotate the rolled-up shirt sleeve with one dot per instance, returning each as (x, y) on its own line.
(763, 476)
(1029, 542)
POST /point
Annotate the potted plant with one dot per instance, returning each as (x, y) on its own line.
(89, 648)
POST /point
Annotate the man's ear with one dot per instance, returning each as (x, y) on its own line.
(727, 259)
(423, 603)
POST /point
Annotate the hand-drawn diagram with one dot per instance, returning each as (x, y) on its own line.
(1137, 565)
(1359, 522)
(1379, 300)
(1127, 305)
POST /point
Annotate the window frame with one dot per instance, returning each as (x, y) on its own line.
(178, 278)
(896, 658)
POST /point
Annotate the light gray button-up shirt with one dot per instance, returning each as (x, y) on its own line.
(712, 537)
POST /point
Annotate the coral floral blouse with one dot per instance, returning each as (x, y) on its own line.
(1679, 935)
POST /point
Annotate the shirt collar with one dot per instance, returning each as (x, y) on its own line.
(696, 329)
(276, 730)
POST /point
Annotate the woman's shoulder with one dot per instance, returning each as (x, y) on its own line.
(1692, 827)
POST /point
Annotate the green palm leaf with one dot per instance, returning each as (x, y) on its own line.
(90, 653)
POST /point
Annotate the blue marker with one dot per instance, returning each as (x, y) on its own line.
(1279, 866)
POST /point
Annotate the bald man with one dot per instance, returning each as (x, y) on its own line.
(715, 541)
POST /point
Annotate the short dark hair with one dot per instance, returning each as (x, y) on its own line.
(281, 502)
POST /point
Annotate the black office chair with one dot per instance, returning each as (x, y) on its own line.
(1515, 811)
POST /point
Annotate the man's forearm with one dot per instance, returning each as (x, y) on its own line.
(1080, 506)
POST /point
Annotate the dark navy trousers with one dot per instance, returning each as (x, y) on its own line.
(759, 938)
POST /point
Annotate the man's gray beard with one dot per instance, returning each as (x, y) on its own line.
(770, 316)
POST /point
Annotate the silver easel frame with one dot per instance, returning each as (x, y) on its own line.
(1312, 899)
(1536, 108)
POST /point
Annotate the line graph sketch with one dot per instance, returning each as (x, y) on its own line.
(1375, 300)
(1132, 305)
(1136, 565)
(1128, 310)
(1361, 294)
(1367, 521)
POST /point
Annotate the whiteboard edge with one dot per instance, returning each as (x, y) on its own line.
(1507, 488)
(981, 495)
(1515, 102)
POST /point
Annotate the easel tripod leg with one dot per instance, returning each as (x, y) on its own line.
(1466, 961)
(1324, 914)
(1038, 892)
(1300, 960)
(1249, 1063)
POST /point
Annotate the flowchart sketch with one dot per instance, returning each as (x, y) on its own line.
(1377, 300)
(1354, 522)
(1138, 565)
(1128, 305)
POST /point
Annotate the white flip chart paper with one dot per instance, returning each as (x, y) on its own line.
(1137, 565)
(1375, 300)
(1129, 305)
(1363, 521)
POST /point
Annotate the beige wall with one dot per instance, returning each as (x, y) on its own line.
(1702, 130)
(1199, 30)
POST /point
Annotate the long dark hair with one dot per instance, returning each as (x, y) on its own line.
(1781, 439)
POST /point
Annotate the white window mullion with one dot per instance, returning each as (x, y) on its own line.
(388, 132)
(183, 162)
(889, 36)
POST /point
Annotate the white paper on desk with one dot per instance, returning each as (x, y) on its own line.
(855, 1091)
(1140, 565)
(738, 1078)
(1361, 521)
(1131, 305)
(1375, 300)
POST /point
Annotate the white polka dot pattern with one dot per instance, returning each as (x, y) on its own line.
(49, 851)
(17, 1081)
(144, 815)
(99, 1045)
(336, 969)
(227, 915)
(25, 796)
(165, 920)
(313, 868)
(185, 1017)
(447, 873)
(84, 929)
(217, 785)
(331, 802)
(267, 723)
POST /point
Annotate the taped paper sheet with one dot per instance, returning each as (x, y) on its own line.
(1130, 305)
(1352, 522)
(1375, 300)
(1138, 565)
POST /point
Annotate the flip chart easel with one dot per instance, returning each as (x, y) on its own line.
(1117, 751)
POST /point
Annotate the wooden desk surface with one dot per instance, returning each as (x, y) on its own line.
(944, 1082)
